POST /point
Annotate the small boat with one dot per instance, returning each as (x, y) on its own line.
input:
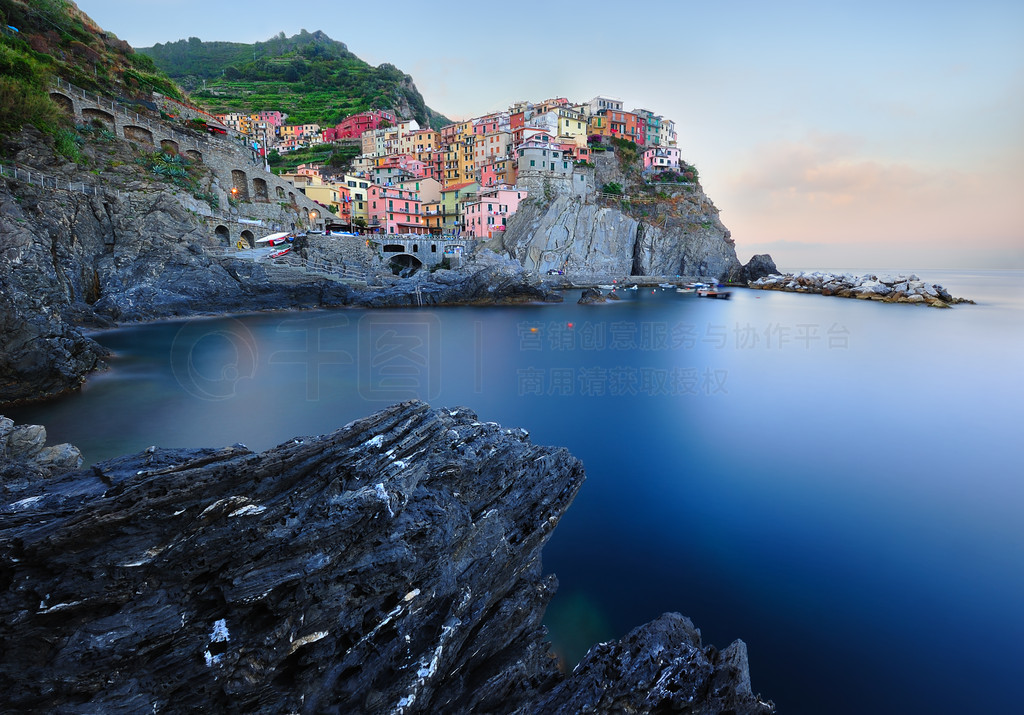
(278, 254)
(666, 285)
(686, 289)
(274, 239)
(712, 292)
(606, 287)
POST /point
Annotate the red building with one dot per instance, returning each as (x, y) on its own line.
(353, 127)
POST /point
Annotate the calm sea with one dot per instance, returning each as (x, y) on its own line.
(836, 482)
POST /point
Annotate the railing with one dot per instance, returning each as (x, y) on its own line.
(48, 182)
(135, 116)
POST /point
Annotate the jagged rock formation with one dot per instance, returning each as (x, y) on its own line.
(24, 456)
(759, 266)
(886, 288)
(678, 234)
(391, 566)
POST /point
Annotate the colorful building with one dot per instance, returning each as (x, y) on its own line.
(453, 197)
(490, 147)
(359, 187)
(396, 210)
(356, 125)
(489, 213)
(661, 158)
(571, 123)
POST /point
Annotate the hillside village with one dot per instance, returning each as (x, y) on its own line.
(470, 177)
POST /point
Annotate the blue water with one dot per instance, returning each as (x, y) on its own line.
(836, 482)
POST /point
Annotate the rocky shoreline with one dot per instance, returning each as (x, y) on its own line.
(391, 566)
(899, 288)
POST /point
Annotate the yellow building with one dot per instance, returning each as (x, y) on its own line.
(358, 187)
(571, 123)
(432, 216)
(325, 195)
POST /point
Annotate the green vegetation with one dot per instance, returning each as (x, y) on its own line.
(612, 188)
(309, 76)
(179, 171)
(337, 156)
(627, 151)
(54, 39)
(68, 144)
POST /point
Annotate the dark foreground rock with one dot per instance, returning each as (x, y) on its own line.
(391, 566)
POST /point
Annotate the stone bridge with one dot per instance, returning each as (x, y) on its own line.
(241, 174)
(418, 251)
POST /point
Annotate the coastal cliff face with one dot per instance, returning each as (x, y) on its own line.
(676, 233)
(139, 253)
(391, 566)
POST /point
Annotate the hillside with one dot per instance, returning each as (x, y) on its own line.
(43, 39)
(311, 77)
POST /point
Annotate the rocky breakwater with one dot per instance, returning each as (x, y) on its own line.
(391, 566)
(888, 289)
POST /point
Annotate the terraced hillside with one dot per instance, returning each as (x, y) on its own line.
(311, 77)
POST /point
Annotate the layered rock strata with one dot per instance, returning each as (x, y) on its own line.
(888, 289)
(391, 566)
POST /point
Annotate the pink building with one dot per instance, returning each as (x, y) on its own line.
(487, 124)
(353, 127)
(395, 210)
(661, 158)
(274, 118)
(489, 213)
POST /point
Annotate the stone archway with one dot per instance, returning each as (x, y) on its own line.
(240, 182)
(91, 114)
(249, 238)
(64, 102)
(138, 134)
(168, 146)
(194, 155)
(259, 188)
(404, 264)
(223, 235)
(280, 192)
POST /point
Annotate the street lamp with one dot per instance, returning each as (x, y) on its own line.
(313, 216)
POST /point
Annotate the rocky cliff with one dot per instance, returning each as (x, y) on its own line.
(139, 252)
(671, 230)
(391, 566)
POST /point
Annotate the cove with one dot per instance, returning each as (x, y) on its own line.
(830, 480)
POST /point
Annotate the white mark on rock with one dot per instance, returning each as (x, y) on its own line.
(219, 635)
(56, 606)
(305, 640)
(25, 502)
(248, 510)
(383, 496)
(411, 595)
(377, 441)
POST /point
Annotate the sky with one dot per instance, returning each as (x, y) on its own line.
(865, 134)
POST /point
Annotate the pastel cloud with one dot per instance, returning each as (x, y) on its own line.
(827, 190)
